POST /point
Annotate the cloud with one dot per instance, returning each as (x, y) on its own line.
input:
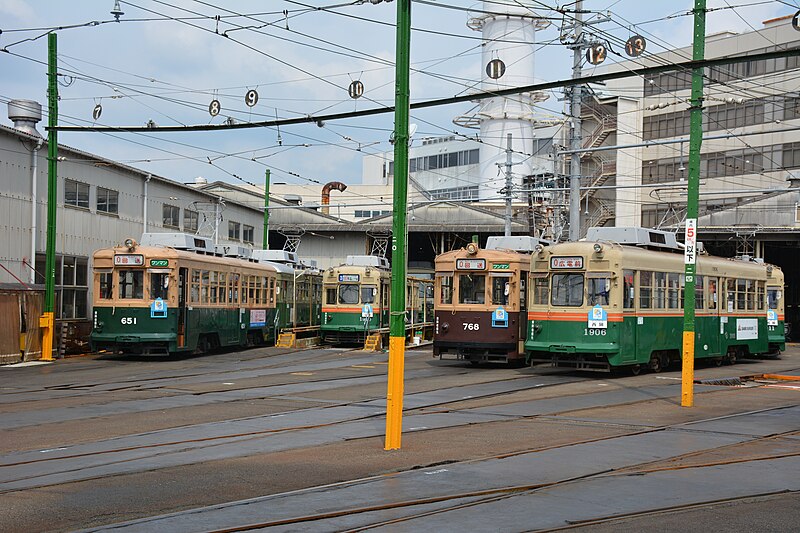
(18, 9)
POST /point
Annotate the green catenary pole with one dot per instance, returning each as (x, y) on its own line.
(265, 243)
(690, 254)
(397, 330)
(48, 317)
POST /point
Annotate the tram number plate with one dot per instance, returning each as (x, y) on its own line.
(128, 320)
(469, 326)
(594, 331)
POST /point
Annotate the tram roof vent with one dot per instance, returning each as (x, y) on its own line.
(367, 260)
(179, 241)
(521, 243)
(652, 238)
(234, 250)
(276, 256)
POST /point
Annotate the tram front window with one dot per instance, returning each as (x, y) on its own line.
(368, 293)
(597, 291)
(348, 294)
(131, 286)
(567, 290)
(159, 286)
(106, 287)
(500, 291)
(773, 295)
(471, 289)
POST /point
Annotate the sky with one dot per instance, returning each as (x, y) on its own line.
(166, 60)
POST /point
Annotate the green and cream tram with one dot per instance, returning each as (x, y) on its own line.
(602, 305)
(177, 294)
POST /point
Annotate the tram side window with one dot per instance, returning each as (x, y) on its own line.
(645, 290)
(660, 291)
(741, 294)
(213, 285)
(523, 291)
(159, 285)
(368, 293)
(674, 290)
(447, 289)
(699, 293)
(567, 290)
(106, 289)
(750, 294)
(712, 293)
(500, 290)
(348, 294)
(541, 289)
(627, 289)
(194, 296)
(223, 287)
(205, 277)
(472, 289)
(330, 295)
(597, 291)
(131, 286)
(760, 291)
(271, 290)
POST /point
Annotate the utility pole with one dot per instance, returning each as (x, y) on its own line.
(509, 187)
(690, 251)
(397, 330)
(576, 94)
(47, 322)
(265, 242)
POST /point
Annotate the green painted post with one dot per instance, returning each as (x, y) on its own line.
(47, 322)
(265, 243)
(690, 254)
(397, 330)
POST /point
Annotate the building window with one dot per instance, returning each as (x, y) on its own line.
(234, 231)
(171, 216)
(71, 285)
(191, 221)
(247, 234)
(76, 194)
(107, 201)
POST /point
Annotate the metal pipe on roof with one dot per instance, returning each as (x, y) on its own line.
(326, 194)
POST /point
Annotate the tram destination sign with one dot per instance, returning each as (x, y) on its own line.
(159, 262)
(128, 260)
(345, 278)
(470, 264)
(566, 262)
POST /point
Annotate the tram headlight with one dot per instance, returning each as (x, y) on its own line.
(445, 327)
(130, 244)
(598, 248)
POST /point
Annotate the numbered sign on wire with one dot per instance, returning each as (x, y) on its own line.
(97, 111)
(356, 89)
(635, 46)
(796, 21)
(495, 69)
(214, 108)
(596, 54)
(251, 98)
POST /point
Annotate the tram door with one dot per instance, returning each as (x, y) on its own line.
(183, 275)
(630, 322)
(385, 303)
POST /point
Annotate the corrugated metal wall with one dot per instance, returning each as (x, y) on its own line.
(20, 337)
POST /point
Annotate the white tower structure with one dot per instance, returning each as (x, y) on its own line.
(507, 61)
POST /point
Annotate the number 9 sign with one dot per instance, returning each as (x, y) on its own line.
(251, 98)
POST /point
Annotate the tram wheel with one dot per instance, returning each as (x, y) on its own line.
(656, 364)
(731, 358)
(718, 361)
(636, 369)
